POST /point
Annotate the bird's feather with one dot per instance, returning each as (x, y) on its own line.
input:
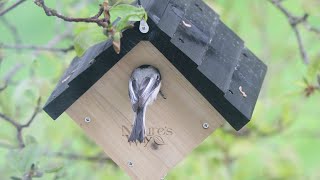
(133, 96)
(147, 89)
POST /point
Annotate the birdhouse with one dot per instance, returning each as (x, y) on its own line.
(208, 77)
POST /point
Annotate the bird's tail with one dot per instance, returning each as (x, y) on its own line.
(138, 130)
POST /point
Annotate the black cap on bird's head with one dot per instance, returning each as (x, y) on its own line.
(146, 67)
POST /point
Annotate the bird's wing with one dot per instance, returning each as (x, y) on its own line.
(146, 89)
(133, 88)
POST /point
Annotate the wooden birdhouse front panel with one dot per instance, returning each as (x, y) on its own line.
(176, 123)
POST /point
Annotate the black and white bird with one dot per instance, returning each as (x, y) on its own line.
(144, 86)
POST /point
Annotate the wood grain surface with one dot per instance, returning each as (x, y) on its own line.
(174, 125)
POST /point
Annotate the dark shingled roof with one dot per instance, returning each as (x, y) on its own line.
(192, 37)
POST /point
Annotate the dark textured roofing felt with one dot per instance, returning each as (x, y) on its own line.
(192, 37)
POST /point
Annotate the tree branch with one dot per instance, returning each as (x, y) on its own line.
(294, 21)
(19, 127)
(1, 5)
(34, 114)
(311, 28)
(9, 120)
(302, 49)
(101, 157)
(93, 19)
(8, 77)
(11, 7)
(6, 145)
(36, 48)
(56, 39)
(12, 29)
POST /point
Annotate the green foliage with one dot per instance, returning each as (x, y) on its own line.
(116, 2)
(21, 160)
(314, 69)
(86, 35)
(54, 169)
(121, 16)
(127, 13)
(3, 1)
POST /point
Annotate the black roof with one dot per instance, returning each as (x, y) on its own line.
(192, 37)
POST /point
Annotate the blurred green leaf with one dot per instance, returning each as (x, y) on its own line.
(15, 178)
(3, 1)
(116, 2)
(22, 159)
(87, 35)
(29, 140)
(314, 69)
(311, 6)
(54, 169)
(127, 13)
(26, 92)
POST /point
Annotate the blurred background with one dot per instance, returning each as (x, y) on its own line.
(281, 142)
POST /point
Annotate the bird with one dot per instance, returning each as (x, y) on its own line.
(144, 86)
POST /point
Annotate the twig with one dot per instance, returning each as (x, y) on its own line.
(294, 21)
(56, 39)
(8, 119)
(11, 7)
(93, 19)
(2, 4)
(12, 29)
(279, 127)
(302, 49)
(19, 127)
(68, 30)
(1, 60)
(308, 26)
(35, 112)
(96, 158)
(6, 145)
(8, 77)
(36, 48)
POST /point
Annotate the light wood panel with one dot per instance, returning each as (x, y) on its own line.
(174, 125)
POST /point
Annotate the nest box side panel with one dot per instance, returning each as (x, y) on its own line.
(175, 125)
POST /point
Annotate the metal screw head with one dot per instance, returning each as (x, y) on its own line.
(205, 125)
(130, 164)
(87, 120)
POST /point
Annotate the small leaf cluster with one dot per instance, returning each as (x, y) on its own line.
(120, 17)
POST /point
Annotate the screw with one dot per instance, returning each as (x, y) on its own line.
(130, 164)
(205, 125)
(87, 120)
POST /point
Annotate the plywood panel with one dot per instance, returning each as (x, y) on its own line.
(174, 125)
